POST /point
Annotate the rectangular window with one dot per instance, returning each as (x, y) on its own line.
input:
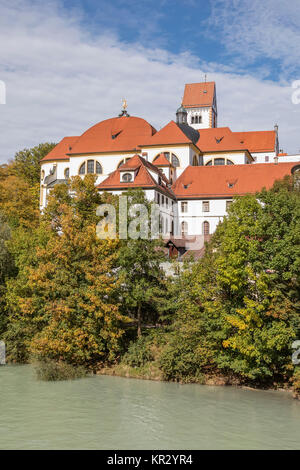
(158, 198)
(228, 205)
(90, 166)
(184, 207)
(162, 200)
(167, 203)
(205, 206)
(266, 158)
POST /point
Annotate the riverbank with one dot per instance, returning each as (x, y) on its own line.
(152, 372)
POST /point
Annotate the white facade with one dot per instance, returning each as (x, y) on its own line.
(264, 157)
(199, 118)
(237, 158)
(196, 212)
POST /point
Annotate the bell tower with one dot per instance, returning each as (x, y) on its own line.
(200, 102)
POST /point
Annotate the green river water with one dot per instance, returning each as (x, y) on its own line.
(115, 413)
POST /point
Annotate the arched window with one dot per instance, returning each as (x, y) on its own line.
(205, 228)
(229, 162)
(82, 169)
(209, 163)
(67, 173)
(127, 177)
(98, 168)
(184, 229)
(175, 160)
(199, 119)
(219, 161)
(192, 120)
(91, 167)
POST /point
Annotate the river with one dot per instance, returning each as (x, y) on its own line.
(105, 412)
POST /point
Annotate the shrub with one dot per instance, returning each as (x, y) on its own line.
(50, 370)
(139, 352)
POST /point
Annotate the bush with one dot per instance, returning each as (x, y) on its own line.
(139, 352)
(50, 370)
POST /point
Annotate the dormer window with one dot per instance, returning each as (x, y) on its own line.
(126, 177)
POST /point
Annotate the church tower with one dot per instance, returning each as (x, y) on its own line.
(200, 101)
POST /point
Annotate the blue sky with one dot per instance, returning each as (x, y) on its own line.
(233, 33)
(68, 63)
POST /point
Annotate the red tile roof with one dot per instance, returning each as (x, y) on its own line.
(168, 135)
(162, 160)
(198, 94)
(219, 139)
(59, 152)
(228, 180)
(257, 141)
(119, 134)
(143, 177)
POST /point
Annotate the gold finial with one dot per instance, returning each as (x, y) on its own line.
(124, 104)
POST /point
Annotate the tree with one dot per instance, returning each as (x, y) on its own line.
(63, 301)
(27, 162)
(6, 271)
(142, 277)
(239, 306)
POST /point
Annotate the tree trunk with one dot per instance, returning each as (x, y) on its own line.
(139, 320)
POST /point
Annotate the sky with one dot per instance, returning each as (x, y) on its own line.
(66, 64)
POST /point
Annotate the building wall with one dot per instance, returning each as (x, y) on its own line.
(289, 158)
(206, 115)
(167, 211)
(238, 158)
(263, 157)
(195, 216)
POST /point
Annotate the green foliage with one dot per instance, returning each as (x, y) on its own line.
(49, 370)
(141, 275)
(237, 309)
(27, 162)
(139, 352)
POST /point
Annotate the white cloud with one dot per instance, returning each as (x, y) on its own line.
(256, 29)
(60, 80)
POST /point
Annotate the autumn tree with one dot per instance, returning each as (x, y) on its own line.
(142, 278)
(65, 304)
